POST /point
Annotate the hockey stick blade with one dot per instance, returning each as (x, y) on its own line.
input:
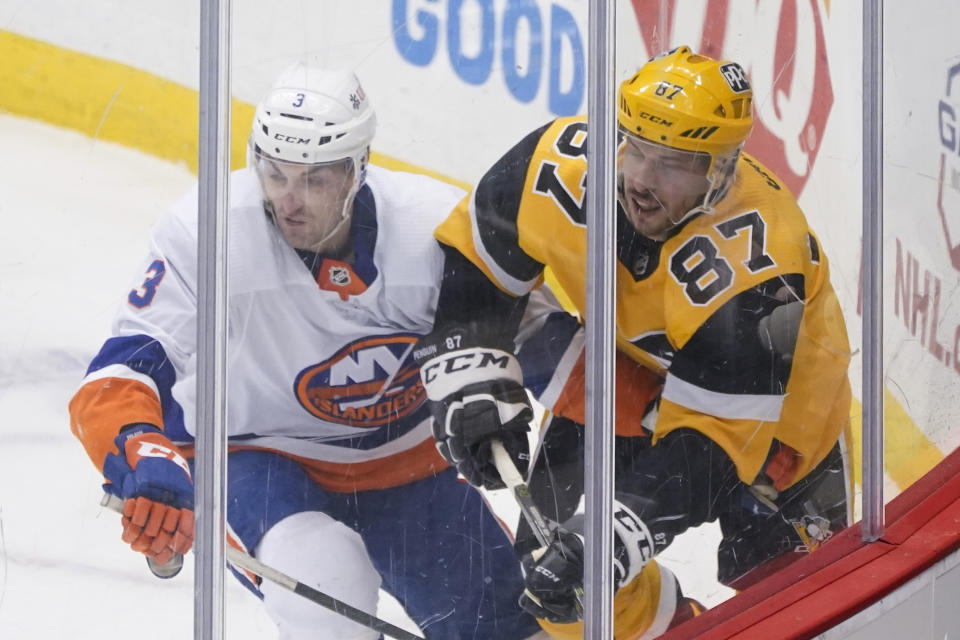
(251, 564)
(521, 493)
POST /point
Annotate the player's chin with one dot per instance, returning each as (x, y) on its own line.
(295, 239)
(646, 221)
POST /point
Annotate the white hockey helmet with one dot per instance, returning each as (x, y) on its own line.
(313, 116)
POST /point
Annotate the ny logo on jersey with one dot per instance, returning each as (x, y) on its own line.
(368, 383)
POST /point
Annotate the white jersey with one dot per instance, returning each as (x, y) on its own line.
(318, 368)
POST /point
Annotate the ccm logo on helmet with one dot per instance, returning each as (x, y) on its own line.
(291, 139)
(736, 77)
(655, 119)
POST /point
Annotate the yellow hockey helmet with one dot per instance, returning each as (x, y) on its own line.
(688, 101)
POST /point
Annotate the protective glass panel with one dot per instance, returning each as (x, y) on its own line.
(737, 308)
(107, 94)
(336, 283)
(921, 233)
(324, 368)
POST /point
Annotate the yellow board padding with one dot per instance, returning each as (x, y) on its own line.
(907, 452)
(112, 101)
(108, 100)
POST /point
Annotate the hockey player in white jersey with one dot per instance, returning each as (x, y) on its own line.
(333, 476)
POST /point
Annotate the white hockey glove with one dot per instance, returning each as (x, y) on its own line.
(553, 573)
(476, 395)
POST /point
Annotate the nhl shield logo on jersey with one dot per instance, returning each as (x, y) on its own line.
(369, 383)
(339, 276)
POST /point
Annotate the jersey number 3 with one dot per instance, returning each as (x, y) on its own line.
(143, 296)
(704, 273)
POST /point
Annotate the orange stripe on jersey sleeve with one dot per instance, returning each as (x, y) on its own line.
(101, 407)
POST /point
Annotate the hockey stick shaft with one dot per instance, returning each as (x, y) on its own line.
(521, 493)
(251, 564)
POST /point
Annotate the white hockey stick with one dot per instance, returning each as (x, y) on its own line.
(521, 493)
(251, 564)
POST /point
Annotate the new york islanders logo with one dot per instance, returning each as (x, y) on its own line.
(369, 383)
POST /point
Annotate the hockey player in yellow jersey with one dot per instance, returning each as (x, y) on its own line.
(732, 388)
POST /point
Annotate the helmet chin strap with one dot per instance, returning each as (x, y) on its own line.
(715, 191)
(345, 215)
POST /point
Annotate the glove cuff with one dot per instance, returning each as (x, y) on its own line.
(632, 544)
(453, 371)
(133, 430)
(143, 440)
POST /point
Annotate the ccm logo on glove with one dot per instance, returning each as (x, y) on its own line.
(450, 372)
(146, 449)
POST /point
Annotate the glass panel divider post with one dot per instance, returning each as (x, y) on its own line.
(600, 323)
(872, 342)
(210, 461)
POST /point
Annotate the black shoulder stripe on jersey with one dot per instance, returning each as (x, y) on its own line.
(814, 249)
(726, 354)
(497, 201)
(468, 299)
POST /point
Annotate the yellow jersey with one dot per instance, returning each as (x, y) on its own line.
(691, 308)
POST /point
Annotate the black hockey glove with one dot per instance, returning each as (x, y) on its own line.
(476, 395)
(553, 574)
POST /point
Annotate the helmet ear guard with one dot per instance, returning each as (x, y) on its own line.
(688, 101)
